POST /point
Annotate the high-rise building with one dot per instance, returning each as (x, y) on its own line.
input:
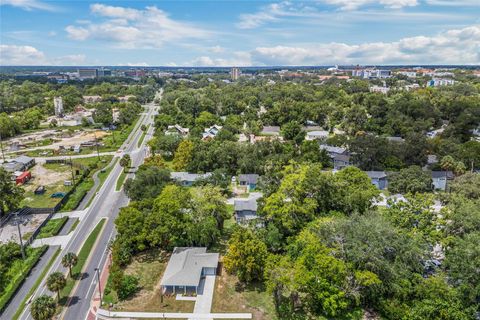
(235, 73)
(104, 72)
(58, 105)
(87, 73)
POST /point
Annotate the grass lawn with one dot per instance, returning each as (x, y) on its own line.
(120, 180)
(35, 285)
(251, 299)
(18, 272)
(140, 141)
(44, 200)
(117, 138)
(87, 183)
(149, 267)
(82, 259)
(52, 227)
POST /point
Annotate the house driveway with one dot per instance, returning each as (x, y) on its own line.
(205, 296)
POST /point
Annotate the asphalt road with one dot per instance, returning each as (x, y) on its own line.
(106, 204)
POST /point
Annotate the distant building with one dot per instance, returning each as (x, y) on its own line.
(378, 178)
(340, 156)
(87, 73)
(317, 135)
(409, 74)
(271, 130)
(210, 133)
(235, 73)
(440, 179)
(58, 106)
(91, 99)
(440, 82)
(177, 130)
(248, 180)
(188, 179)
(104, 72)
(379, 89)
(245, 210)
(371, 73)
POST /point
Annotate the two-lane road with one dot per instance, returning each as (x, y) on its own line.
(106, 204)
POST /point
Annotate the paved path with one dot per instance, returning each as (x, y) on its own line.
(67, 226)
(104, 314)
(52, 241)
(27, 284)
(71, 214)
(204, 299)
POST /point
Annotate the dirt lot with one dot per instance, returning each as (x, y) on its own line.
(9, 232)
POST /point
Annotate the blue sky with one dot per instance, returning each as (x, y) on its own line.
(240, 33)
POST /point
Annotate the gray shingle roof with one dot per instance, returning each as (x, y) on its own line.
(250, 178)
(245, 204)
(442, 174)
(376, 174)
(185, 266)
(23, 159)
(185, 176)
(333, 149)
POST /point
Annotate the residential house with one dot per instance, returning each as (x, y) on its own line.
(317, 135)
(340, 156)
(186, 268)
(91, 99)
(271, 131)
(20, 163)
(440, 179)
(248, 180)
(245, 210)
(12, 166)
(378, 178)
(210, 133)
(188, 179)
(177, 130)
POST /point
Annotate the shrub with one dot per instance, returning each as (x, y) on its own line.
(128, 287)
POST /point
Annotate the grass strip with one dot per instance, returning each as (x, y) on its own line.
(33, 255)
(144, 133)
(52, 228)
(35, 285)
(74, 225)
(120, 180)
(102, 176)
(82, 259)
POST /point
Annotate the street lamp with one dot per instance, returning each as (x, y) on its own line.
(18, 221)
(99, 287)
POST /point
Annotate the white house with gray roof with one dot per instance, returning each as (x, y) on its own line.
(245, 210)
(186, 267)
(188, 179)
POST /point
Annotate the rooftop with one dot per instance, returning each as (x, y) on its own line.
(185, 266)
(245, 204)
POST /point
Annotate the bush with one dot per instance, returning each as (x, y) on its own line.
(128, 287)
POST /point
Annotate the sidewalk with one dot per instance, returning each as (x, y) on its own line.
(61, 241)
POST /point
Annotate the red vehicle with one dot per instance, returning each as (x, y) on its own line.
(24, 177)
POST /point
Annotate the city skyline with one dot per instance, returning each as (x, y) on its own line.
(242, 33)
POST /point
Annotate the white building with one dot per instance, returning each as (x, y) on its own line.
(371, 73)
(210, 133)
(379, 89)
(58, 105)
(440, 82)
(317, 135)
(409, 74)
(235, 73)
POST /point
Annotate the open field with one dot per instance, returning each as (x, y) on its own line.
(149, 267)
(251, 298)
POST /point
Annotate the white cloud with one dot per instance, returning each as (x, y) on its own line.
(460, 46)
(355, 4)
(29, 5)
(134, 29)
(20, 55)
(456, 3)
(238, 59)
(13, 55)
(134, 64)
(217, 49)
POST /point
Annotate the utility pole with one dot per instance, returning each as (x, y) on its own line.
(1, 147)
(99, 286)
(96, 144)
(18, 222)
(71, 169)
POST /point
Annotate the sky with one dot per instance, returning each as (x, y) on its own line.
(239, 33)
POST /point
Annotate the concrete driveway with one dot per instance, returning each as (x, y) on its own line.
(204, 301)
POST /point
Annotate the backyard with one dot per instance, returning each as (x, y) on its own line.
(149, 268)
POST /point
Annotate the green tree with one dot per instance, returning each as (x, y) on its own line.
(183, 155)
(43, 308)
(10, 194)
(467, 186)
(125, 162)
(69, 260)
(410, 180)
(56, 282)
(103, 113)
(148, 182)
(293, 131)
(246, 255)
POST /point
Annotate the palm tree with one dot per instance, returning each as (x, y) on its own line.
(43, 308)
(56, 282)
(69, 260)
(125, 161)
